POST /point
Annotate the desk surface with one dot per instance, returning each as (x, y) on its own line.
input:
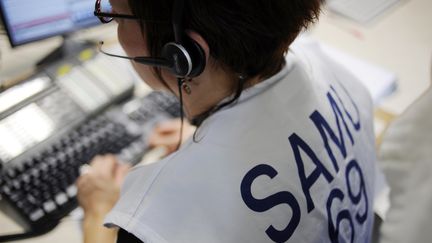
(400, 41)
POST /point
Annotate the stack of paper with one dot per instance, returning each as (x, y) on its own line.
(379, 81)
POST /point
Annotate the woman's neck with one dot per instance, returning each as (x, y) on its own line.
(207, 91)
(210, 88)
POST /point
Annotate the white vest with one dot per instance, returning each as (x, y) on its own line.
(292, 161)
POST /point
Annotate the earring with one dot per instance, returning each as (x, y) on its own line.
(242, 76)
(186, 87)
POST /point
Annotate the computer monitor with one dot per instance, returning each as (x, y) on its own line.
(27, 21)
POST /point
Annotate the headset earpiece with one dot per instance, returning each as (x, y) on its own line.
(186, 59)
(198, 57)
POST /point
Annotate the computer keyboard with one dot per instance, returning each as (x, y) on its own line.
(360, 10)
(40, 190)
(47, 134)
(42, 187)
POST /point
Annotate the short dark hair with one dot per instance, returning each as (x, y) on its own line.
(246, 37)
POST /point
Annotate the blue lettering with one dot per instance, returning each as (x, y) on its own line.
(357, 124)
(307, 182)
(333, 229)
(262, 205)
(353, 176)
(323, 127)
(353, 165)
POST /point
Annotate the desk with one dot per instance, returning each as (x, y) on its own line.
(68, 231)
(400, 41)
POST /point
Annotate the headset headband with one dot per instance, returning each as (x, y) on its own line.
(177, 20)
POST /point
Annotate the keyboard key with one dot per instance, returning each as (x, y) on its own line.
(72, 191)
(16, 196)
(36, 215)
(49, 206)
(61, 199)
(11, 173)
(31, 199)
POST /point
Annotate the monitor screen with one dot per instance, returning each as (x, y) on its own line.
(31, 20)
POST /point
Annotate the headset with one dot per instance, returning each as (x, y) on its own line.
(184, 57)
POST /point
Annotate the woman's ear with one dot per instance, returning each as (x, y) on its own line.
(200, 40)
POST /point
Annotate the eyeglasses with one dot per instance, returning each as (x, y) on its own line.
(103, 10)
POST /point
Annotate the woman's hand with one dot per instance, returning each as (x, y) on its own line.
(99, 186)
(167, 134)
(98, 191)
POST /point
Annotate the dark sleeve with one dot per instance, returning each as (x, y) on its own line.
(125, 237)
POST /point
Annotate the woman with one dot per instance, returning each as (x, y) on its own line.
(284, 149)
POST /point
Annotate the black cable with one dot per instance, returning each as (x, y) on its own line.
(180, 83)
(14, 237)
(28, 234)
